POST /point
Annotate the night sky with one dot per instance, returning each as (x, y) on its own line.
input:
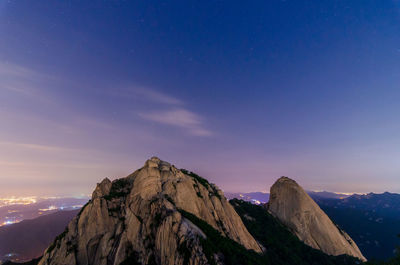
(240, 92)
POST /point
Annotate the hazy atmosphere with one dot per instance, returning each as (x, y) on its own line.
(241, 94)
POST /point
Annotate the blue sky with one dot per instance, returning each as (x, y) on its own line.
(241, 93)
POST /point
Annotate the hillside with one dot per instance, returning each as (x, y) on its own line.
(373, 221)
(282, 246)
(29, 238)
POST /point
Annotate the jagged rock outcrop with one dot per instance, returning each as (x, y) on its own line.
(138, 220)
(295, 209)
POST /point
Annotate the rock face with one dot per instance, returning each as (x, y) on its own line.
(137, 220)
(295, 209)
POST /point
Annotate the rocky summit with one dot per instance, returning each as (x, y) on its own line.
(140, 219)
(294, 208)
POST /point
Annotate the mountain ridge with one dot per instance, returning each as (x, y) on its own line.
(27, 239)
(160, 215)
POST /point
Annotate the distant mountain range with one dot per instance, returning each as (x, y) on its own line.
(327, 195)
(253, 197)
(263, 197)
(372, 220)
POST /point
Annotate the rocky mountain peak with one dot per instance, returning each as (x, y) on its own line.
(155, 162)
(102, 188)
(140, 218)
(297, 210)
(286, 181)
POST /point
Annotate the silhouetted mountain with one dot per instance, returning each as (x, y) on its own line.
(263, 197)
(254, 197)
(326, 195)
(29, 238)
(372, 220)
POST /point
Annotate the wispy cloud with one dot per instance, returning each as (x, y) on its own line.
(156, 96)
(169, 110)
(150, 104)
(24, 164)
(37, 147)
(21, 80)
(13, 70)
(179, 118)
(139, 93)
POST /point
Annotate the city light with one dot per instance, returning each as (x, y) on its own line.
(10, 222)
(17, 201)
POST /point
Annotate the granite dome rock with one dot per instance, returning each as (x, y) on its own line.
(294, 208)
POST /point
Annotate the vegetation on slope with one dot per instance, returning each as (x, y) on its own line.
(281, 245)
(203, 182)
(228, 250)
(119, 188)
